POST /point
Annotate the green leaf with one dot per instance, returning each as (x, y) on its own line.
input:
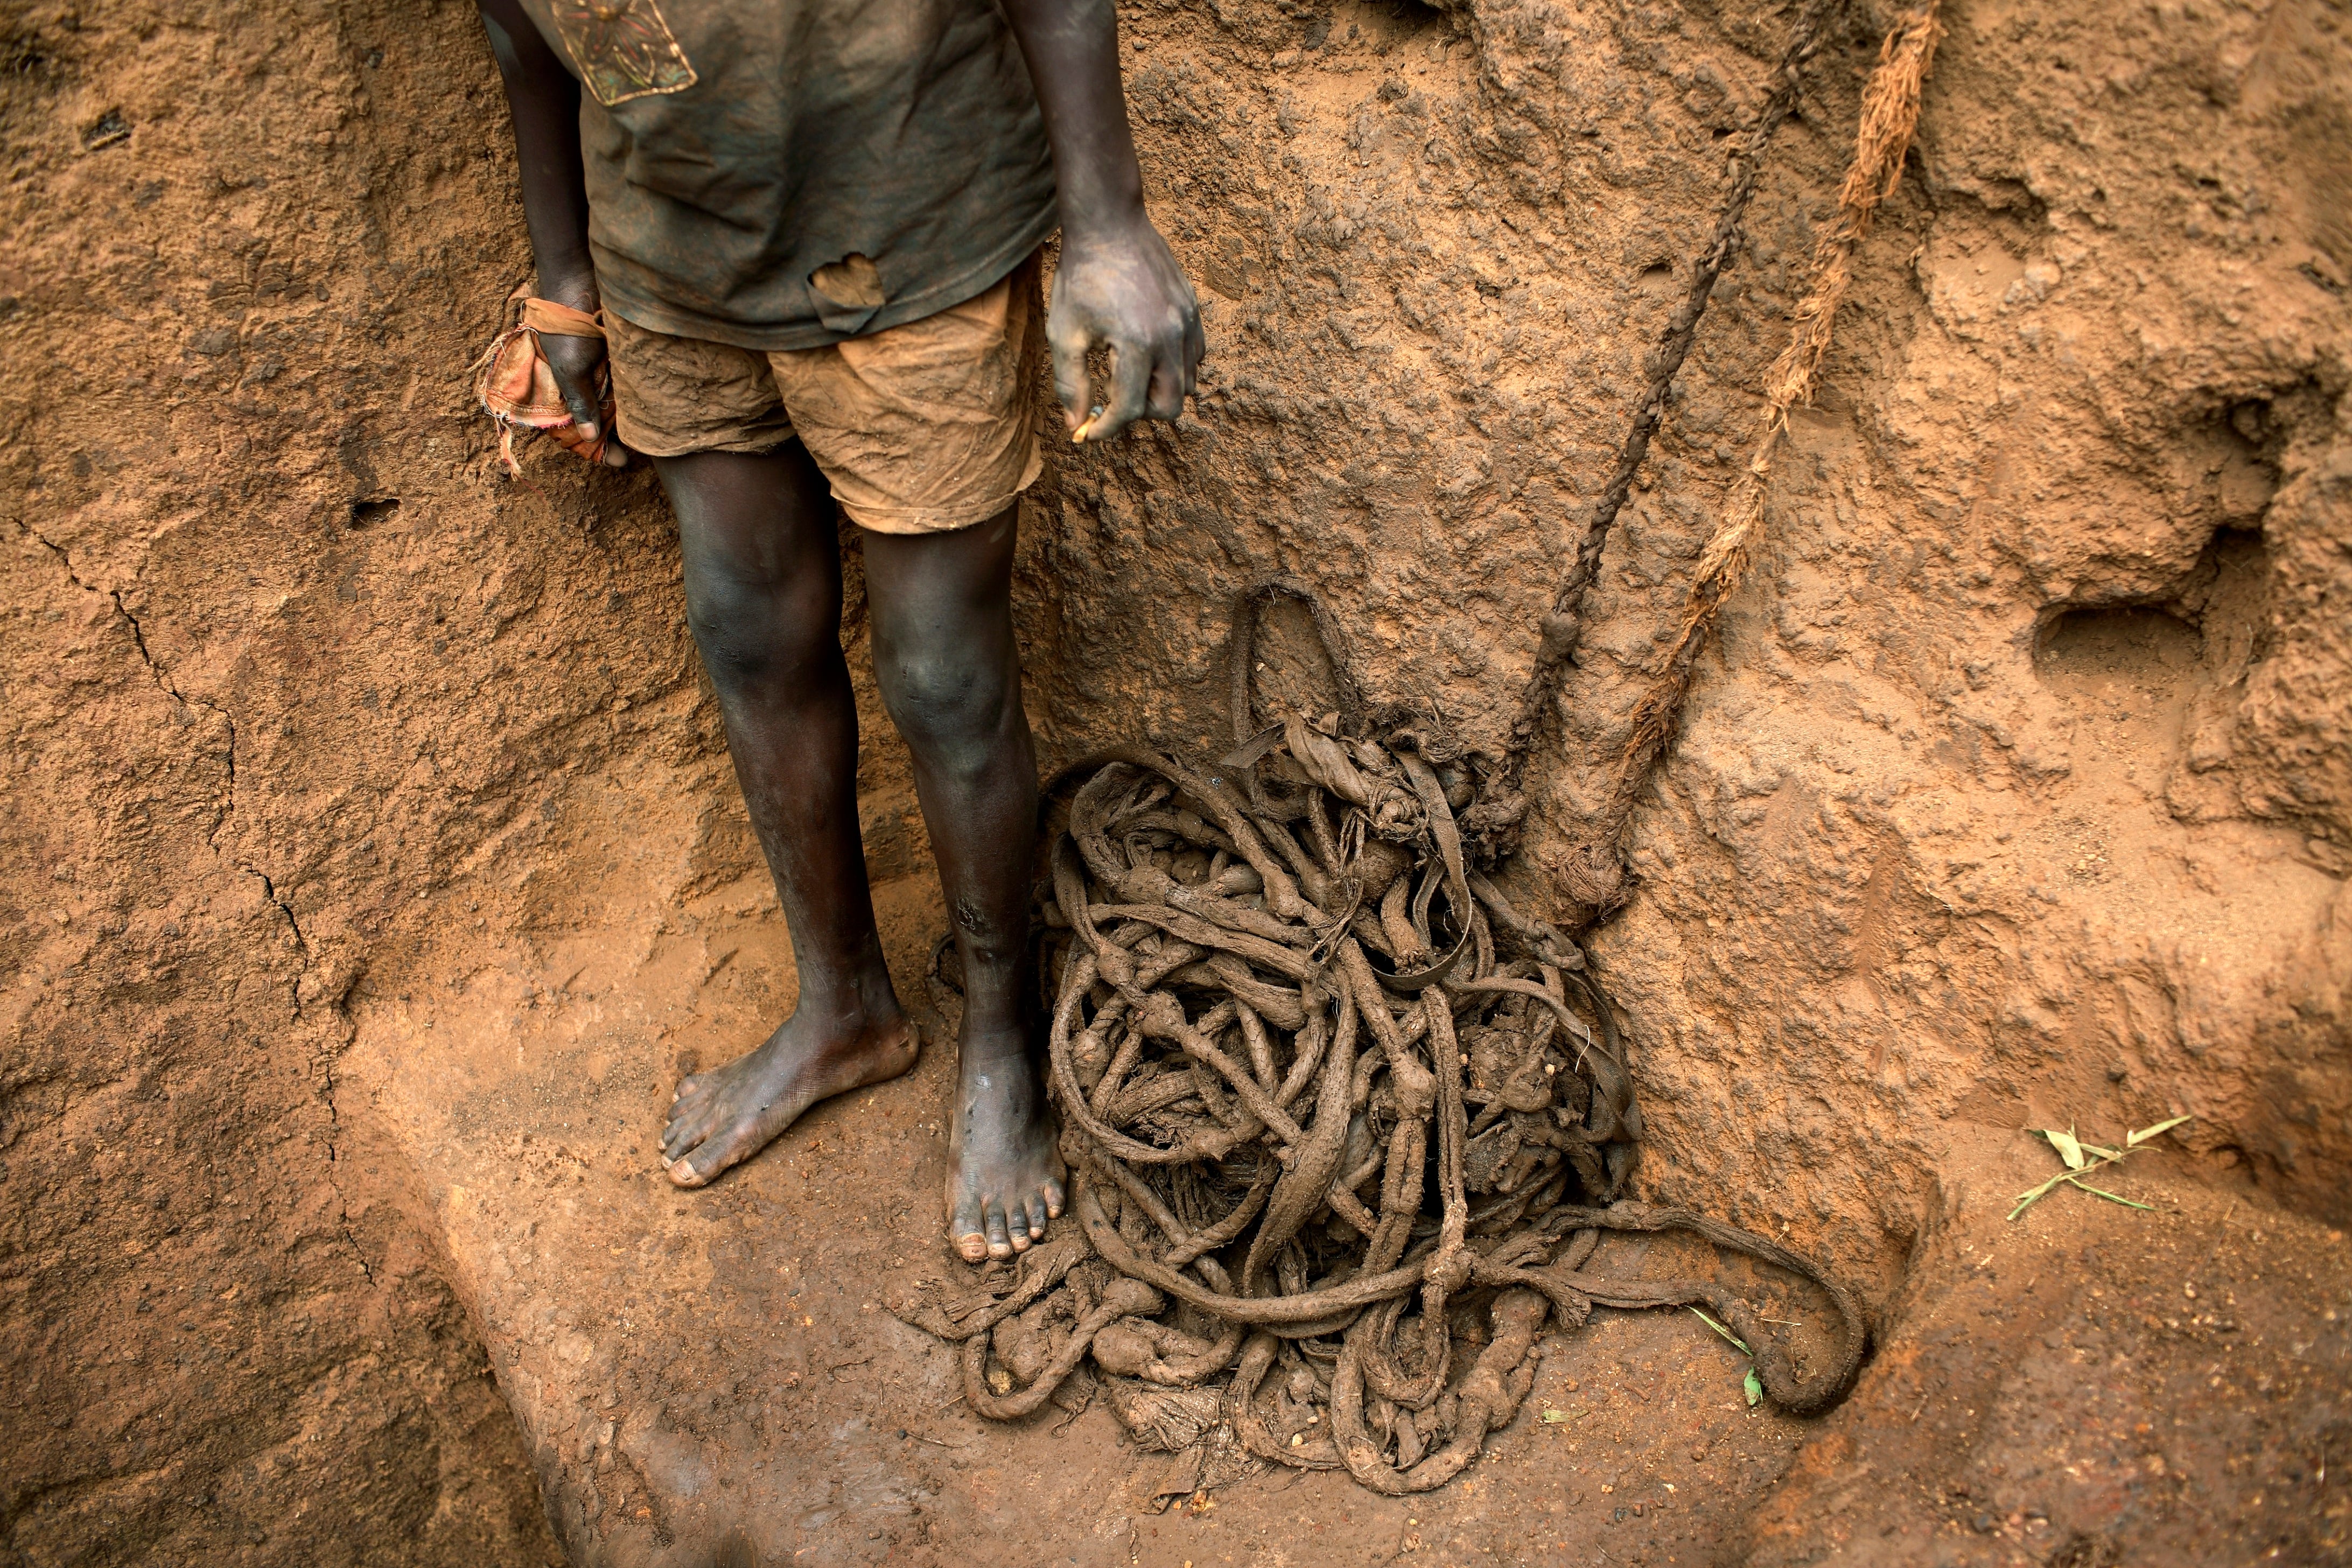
(2069, 1149)
(2026, 1199)
(1554, 1418)
(1727, 1333)
(2102, 1191)
(2144, 1134)
(1754, 1387)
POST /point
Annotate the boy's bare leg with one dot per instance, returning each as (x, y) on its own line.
(949, 669)
(763, 596)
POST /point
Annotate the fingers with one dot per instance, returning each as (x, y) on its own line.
(1068, 347)
(1130, 382)
(586, 442)
(583, 415)
(1123, 290)
(1178, 370)
(582, 440)
(574, 362)
(1169, 383)
(576, 365)
(601, 450)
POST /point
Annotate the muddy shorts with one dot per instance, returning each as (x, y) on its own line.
(918, 429)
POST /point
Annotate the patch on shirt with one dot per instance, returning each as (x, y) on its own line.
(624, 48)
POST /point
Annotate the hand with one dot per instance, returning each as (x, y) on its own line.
(1122, 286)
(580, 370)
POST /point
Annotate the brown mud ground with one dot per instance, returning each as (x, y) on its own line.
(723, 1367)
(371, 863)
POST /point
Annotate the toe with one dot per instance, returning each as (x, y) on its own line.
(685, 1129)
(1000, 1242)
(698, 1159)
(1037, 1216)
(1016, 1226)
(1054, 1200)
(966, 1227)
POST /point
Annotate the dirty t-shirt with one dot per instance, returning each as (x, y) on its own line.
(891, 151)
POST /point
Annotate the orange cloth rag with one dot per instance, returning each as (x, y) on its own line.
(516, 386)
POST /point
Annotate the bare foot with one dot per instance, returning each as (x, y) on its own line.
(1004, 1177)
(725, 1115)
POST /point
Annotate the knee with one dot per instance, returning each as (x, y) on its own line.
(752, 632)
(946, 701)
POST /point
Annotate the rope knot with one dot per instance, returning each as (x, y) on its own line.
(1160, 1017)
(1451, 1269)
(1115, 966)
(1146, 884)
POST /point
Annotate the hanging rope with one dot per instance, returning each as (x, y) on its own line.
(1593, 872)
(1563, 627)
(1890, 113)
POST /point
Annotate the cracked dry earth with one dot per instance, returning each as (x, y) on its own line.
(371, 864)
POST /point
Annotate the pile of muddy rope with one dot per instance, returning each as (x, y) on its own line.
(1345, 1130)
(1333, 1108)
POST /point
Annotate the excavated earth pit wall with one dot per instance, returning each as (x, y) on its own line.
(373, 862)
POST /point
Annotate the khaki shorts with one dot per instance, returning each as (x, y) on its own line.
(918, 429)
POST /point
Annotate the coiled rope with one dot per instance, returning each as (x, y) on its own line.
(1329, 1101)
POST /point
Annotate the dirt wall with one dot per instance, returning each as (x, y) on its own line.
(245, 652)
(2020, 788)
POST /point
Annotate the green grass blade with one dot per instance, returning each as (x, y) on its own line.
(1719, 1329)
(2026, 1199)
(2102, 1191)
